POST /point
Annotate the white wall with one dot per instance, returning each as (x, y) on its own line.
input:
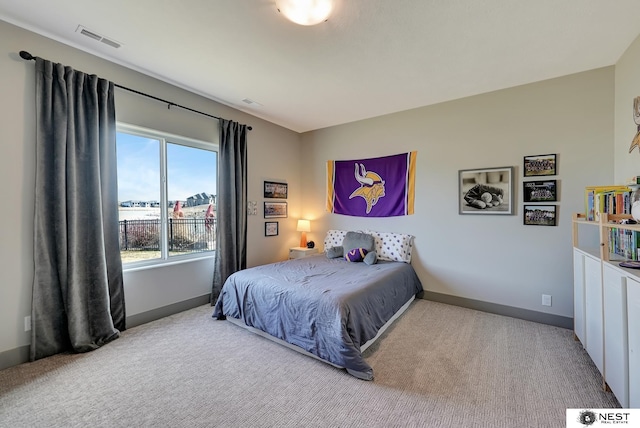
(274, 153)
(493, 259)
(627, 88)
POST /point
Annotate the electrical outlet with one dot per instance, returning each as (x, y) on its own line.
(546, 300)
(27, 323)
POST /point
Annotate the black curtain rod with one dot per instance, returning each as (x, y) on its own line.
(28, 57)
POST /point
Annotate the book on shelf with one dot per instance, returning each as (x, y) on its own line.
(606, 199)
(624, 242)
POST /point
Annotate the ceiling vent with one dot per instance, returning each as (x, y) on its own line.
(251, 102)
(95, 36)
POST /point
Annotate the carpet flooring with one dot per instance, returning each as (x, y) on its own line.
(436, 366)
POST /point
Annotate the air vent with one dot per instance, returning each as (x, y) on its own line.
(251, 102)
(110, 43)
(88, 33)
(95, 36)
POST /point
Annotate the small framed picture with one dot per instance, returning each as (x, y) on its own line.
(540, 165)
(275, 210)
(540, 215)
(273, 190)
(270, 228)
(540, 191)
(486, 191)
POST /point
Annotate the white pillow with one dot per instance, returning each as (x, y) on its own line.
(395, 247)
(334, 238)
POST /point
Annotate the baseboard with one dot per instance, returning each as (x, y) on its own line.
(20, 355)
(494, 308)
(165, 311)
(13, 357)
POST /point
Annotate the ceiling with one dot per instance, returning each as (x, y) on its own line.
(372, 57)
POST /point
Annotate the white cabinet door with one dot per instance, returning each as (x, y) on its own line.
(633, 315)
(578, 296)
(593, 310)
(616, 350)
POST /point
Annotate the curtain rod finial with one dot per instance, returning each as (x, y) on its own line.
(26, 55)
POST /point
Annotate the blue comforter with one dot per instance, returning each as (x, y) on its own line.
(328, 307)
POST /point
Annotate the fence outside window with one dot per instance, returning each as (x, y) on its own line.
(185, 235)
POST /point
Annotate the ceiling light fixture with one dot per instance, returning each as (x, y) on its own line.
(305, 12)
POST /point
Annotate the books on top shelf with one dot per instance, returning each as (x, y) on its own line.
(606, 199)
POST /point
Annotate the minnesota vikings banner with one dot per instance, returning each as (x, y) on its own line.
(376, 187)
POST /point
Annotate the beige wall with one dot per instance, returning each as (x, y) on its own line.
(489, 258)
(274, 153)
(627, 88)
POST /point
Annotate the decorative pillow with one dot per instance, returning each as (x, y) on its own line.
(358, 240)
(334, 239)
(356, 255)
(371, 258)
(392, 246)
(334, 252)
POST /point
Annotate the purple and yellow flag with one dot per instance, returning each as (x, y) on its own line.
(376, 187)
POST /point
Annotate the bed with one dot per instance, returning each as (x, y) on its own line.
(328, 308)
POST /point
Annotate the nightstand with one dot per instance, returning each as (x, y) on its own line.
(300, 252)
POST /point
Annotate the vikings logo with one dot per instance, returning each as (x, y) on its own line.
(371, 186)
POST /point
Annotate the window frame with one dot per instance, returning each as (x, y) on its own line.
(165, 138)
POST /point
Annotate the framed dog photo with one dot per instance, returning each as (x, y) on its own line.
(270, 228)
(540, 191)
(540, 215)
(540, 165)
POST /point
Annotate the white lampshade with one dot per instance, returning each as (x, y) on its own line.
(304, 226)
(305, 12)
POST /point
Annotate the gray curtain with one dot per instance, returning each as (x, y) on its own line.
(78, 295)
(231, 209)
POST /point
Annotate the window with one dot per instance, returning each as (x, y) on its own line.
(166, 195)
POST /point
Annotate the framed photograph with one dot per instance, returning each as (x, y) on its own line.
(540, 165)
(540, 191)
(486, 191)
(273, 190)
(275, 210)
(540, 215)
(270, 228)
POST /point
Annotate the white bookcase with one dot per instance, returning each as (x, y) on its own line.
(594, 326)
(616, 363)
(607, 310)
(633, 334)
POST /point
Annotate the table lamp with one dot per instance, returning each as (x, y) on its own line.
(304, 226)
